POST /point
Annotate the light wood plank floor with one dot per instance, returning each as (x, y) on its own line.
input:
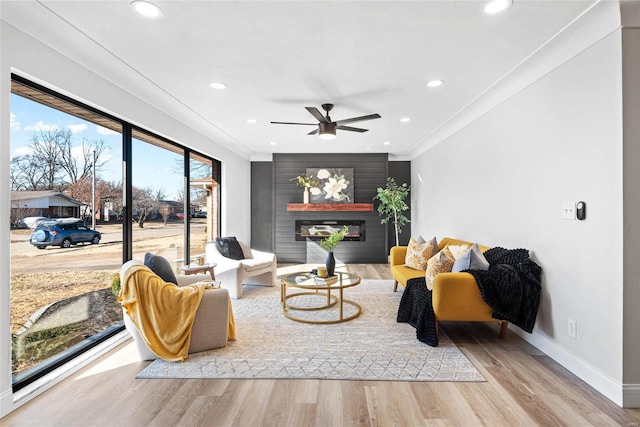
(524, 388)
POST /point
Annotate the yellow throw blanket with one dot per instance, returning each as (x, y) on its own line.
(163, 313)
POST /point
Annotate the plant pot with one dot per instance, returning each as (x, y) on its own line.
(330, 264)
(306, 195)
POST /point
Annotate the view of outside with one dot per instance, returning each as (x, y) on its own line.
(66, 160)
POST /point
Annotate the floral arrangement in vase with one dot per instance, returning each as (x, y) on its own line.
(306, 182)
(333, 240)
(330, 243)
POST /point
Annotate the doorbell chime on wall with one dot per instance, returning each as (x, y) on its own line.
(581, 211)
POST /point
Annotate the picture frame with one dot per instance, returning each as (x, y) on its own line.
(335, 185)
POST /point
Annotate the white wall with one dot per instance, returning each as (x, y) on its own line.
(6, 403)
(502, 180)
(25, 56)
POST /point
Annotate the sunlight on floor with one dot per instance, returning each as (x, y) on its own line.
(123, 356)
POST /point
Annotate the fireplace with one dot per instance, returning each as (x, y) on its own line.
(319, 229)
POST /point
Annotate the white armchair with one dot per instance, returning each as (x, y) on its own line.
(258, 268)
(210, 327)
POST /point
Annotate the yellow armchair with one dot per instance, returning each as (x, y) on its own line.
(455, 296)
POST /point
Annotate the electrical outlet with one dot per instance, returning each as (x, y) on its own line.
(571, 328)
(568, 210)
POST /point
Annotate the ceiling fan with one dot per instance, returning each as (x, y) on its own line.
(327, 127)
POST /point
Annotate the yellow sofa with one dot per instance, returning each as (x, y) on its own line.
(455, 296)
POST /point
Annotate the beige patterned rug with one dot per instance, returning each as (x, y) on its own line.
(371, 347)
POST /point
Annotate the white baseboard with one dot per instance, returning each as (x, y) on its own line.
(6, 402)
(603, 383)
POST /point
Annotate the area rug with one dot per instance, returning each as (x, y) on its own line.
(372, 346)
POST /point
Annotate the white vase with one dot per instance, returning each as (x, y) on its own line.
(306, 195)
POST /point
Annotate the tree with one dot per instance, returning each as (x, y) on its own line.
(79, 169)
(27, 173)
(52, 163)
(144, 201)
(105, 192)
(392, 205)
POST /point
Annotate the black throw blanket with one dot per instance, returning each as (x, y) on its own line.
(416, 309)
(511, 287)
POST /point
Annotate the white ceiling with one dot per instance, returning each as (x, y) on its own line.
(279, 57)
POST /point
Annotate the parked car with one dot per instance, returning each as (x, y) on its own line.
(63, 234)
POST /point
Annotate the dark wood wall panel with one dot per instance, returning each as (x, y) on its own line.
(370, 172)
(401, 172)
(262, 206)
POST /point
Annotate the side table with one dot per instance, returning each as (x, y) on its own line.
(199, 268)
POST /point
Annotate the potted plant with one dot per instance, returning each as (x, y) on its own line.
(330, 243)
(392, 205)
(307, 182)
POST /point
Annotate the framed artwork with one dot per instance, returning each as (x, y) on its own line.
(335, 185)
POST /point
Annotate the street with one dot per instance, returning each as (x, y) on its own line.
(107, 255)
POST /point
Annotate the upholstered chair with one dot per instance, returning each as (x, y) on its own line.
(256, 268)
(211, 324)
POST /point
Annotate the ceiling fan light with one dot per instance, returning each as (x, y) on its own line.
(327, 136)
(326, 131)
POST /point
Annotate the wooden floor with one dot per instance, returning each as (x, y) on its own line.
(524, 388)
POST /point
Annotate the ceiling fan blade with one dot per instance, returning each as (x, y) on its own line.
(289, 123)
(351, 128)
(317, 114)
(359, 119)
(313, 132)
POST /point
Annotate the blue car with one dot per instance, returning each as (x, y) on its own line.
(63, 234)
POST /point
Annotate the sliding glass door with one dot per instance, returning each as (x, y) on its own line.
(73, 222)
(66, 180)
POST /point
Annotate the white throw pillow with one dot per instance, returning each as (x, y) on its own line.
(473, 259)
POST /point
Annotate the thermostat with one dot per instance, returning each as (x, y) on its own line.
(581, 211)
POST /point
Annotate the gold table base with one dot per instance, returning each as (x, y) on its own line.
(332, 300)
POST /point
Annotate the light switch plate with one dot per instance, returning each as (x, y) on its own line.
(569, 210)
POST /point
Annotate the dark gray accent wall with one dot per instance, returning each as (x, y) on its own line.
(401, 172)
(370, 172)
(262, 206)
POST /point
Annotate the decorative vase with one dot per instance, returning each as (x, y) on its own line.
(330, 263)
(306, 195)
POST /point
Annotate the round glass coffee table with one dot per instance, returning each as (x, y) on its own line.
(316, 304)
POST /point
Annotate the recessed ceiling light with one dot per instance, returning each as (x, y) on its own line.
(273, 143)
(496, 6)
(405, 120)
(146, 8)
(386, 143)
(218, 85)
(252, 121)
(435, 83)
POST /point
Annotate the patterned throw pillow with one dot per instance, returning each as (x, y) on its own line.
(458, 250)
(442, 262)
(419, 253)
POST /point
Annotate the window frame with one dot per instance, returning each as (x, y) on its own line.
(128, 130)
